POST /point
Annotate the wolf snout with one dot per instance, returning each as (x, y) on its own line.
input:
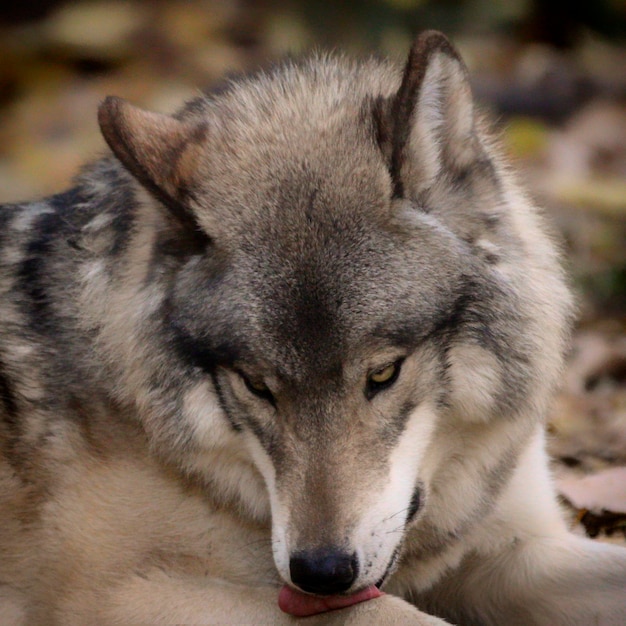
(323, 572)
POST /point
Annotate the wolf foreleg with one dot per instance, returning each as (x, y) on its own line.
(568, 580)
(160, 600)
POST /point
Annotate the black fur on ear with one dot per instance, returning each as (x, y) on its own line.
(430, 121)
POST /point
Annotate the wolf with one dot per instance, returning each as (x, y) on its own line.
(284, 357)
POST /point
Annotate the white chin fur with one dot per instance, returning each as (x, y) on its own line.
(382, 528)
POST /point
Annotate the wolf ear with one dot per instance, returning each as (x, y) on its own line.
(156, 149)
(431, 116)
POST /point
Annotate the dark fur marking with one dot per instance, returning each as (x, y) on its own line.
(382, 128)
(405, 102)
(52, 234)
(7, 213)
(451, 320)
(265, 437)
(474, 319)
(219, 392)
(415, 505)
(33, 272)
(8, 400)
(123, 221)
(311, 322)
(198, 353)
(117, 201)
(401, 418)
(61, 202)
(490, 221)
(180, 244)
(472, 316)
(408, 334)
(403, 108)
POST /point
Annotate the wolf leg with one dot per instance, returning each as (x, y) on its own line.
(572, 581)
(159, 600)
(568, 580)
(524, 568)
(530, 570)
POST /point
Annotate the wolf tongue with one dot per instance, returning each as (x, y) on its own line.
(301, 604)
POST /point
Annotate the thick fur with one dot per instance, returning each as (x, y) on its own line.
(188, 343)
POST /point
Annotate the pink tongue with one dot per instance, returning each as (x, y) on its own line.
(301, 604)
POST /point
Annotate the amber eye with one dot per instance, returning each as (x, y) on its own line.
(383, 375)
(258, 388)
(382, 378)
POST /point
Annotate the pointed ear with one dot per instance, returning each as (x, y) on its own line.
(432, 116)
(158, 150)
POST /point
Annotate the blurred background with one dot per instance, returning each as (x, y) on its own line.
(553, 73)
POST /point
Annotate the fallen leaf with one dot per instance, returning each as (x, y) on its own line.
(604, 491)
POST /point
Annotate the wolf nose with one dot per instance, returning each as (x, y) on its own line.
(324, 572)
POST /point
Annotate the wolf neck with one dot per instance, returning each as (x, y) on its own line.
(116, 293)
(123, 284)
(125, 272)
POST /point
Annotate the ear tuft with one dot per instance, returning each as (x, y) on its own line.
(150, 145)
(432, 115)
(160, 152)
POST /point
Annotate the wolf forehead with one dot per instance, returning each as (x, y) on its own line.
(314, 249)
(315, 293)
(273, 139)
(290, 181)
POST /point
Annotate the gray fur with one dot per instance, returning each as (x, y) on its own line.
(300, 229)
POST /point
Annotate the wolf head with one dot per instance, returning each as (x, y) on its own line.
(364, 290)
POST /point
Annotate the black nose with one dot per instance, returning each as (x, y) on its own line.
(323, 572)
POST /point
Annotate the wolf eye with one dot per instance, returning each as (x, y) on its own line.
(382, 378)
(384, 375)
(258, 388)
